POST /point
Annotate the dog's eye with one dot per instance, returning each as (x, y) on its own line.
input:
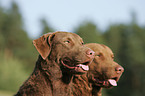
(67, 41)
(99, 55)
(112, 57)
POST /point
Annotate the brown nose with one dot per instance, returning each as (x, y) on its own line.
(90, 53)
(119, 69)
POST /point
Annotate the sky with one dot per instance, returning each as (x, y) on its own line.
(65, 15)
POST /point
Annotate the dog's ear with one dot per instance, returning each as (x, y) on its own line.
(42, 45)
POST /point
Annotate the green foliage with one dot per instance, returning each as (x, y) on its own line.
(128, 43)
(89, 32)
(12, 73)
(16, 50)
(14, 38)
(114, 36)
(6, 93)
(45, 27)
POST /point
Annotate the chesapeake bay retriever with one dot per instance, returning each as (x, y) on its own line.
(104, 73)
(62, 54)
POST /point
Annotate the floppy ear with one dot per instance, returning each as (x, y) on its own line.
(42, 45)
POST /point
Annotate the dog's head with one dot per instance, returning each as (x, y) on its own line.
(66, 49)
(104, 71)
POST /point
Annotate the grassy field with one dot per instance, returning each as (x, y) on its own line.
(12, 74)
(6, 93)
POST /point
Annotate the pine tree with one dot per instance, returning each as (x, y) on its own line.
(46, 28)
(89, 33)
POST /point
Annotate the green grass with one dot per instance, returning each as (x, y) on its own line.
(6, 93)
(12, 73)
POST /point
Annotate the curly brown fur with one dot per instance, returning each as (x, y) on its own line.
(62, 55)
(104, 73)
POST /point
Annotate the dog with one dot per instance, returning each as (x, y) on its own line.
(104, 73)
(62, 55)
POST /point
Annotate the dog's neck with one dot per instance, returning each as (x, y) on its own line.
(96, 91)
(81, 86)
(60, 82)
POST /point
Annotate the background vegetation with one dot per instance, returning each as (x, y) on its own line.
(18, 55)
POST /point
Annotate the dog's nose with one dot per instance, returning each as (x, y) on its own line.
(119, 69)
(90, 53)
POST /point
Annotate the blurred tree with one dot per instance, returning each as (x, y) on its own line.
(14, 38)
(14, 43)
(133, 17)
(136, 59)
(45, 27)
(89, 32)
(113, 36)
(117, 38)
(13, 29)
(128, 42)
(2, 17)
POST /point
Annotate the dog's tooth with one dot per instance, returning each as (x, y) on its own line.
(112, 82)
(84, 67)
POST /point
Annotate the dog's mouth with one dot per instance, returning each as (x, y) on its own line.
(77, 67)
(106, 83)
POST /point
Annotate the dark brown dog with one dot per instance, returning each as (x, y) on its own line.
(104, 73)
(62, 54)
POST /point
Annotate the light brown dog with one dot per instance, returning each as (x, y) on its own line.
(104, 73)
(62, 55)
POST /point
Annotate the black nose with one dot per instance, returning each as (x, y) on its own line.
(90, 53)
(119, 69)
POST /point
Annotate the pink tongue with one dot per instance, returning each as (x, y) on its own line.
(84, 67)
(112, 82)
